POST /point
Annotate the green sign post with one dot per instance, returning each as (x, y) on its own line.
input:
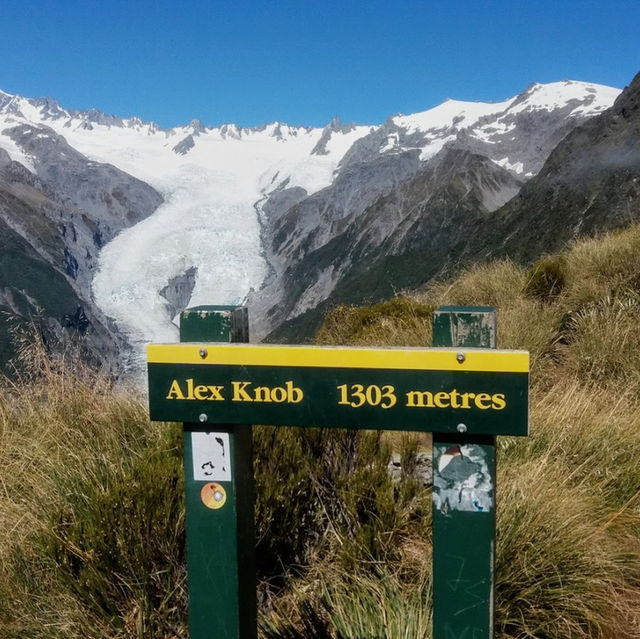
(464, 506)
(465, 395)
(219, 500)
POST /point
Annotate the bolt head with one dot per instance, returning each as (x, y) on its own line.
(203, 418)
(203, 353)
(461, 357)
(461, 428)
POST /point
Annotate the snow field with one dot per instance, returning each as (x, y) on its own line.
(210, 216)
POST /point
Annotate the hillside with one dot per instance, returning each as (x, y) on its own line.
(58, 214)
(399, 194)
(589, 183)
(92, 520)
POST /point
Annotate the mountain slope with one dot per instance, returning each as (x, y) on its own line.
(293, 216)
(403, 239)
(31, 290)
(590, 183)
(56, 217)
(468, 157)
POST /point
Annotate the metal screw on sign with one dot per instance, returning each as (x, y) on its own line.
(461, 357)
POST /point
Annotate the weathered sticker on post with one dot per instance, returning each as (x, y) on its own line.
(461, 479)
(211, 456)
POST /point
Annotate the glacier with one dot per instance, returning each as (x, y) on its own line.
(215, 180)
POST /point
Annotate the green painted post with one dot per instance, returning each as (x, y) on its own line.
(219, 502)
(464, 506)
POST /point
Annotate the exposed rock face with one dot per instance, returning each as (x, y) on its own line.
(407, 203)
(32, 289)
(184, 146)
(292, 235)
(590, 183)
(106, 193)
(54, 223)
(178, 291)
(335, 126)
(448, 216)
(402, 240)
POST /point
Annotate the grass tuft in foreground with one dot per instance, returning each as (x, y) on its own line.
(91, 514)
(91, 530)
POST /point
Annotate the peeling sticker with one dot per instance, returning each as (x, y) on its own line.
(461, 479)
(211, 456)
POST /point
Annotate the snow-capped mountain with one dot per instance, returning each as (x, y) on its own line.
(209, 215)
(392, 184)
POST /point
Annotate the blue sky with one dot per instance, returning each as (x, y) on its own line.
(303, 62)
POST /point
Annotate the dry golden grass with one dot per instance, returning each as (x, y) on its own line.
(397, 322)
(65, 434)
(496, 284)
(597, 267)
(568, 554)
(54, 428)
(568, 518)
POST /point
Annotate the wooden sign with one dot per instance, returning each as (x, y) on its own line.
(438, 390)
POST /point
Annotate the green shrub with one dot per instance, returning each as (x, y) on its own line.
(397, 322)
(546, 279)
(327, 492)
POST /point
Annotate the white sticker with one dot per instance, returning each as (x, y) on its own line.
(211, 456)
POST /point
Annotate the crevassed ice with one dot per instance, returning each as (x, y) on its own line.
(208, 220)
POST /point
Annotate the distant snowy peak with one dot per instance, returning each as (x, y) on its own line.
(44, 109)
(476, 126)
(585, 98)
(451, 114)
(334, 127)
(15, 109)
(536, 118)
(48, 110)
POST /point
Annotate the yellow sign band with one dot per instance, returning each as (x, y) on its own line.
(431, 359)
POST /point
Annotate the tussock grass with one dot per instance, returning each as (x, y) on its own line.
(568, 554)
(91, 518)
(335, 603)
(400, 321)
(598, 267)
(90, 542)
(496, 284)
(568, 561)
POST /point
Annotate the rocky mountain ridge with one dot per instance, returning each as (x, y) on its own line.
(141, 222)
(590, 183)
(323, 247)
